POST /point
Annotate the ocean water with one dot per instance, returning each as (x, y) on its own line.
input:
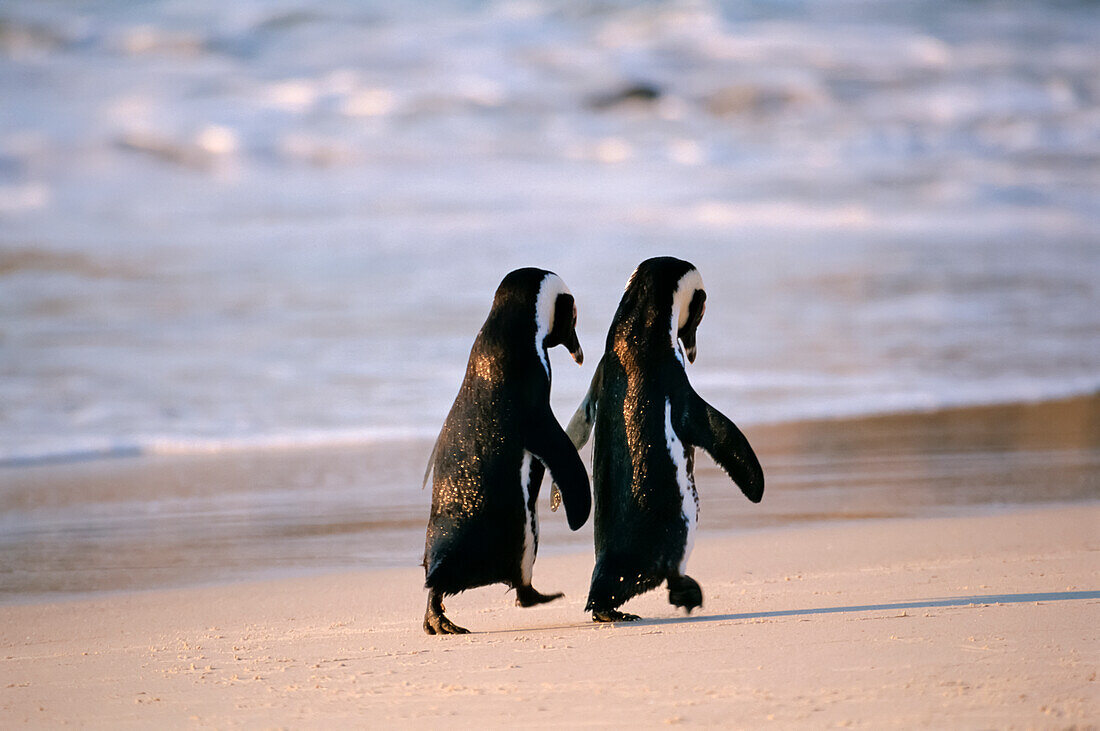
(263, 224)
(257, 226)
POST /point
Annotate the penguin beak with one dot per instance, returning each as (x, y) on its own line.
(695, 316)
(574, 346)
(687, 337)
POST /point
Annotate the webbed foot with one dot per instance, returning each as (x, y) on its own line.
(436, 623)
(613, 615)
(684, 591)
(528, 596)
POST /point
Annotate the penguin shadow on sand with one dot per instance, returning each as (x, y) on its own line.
(496, 442)
(978, 600)
(500, 437)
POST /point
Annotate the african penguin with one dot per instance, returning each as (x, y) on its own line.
(648, 421)
(489, 458)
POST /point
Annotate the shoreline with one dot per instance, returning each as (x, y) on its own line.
(198, 448)
(968, 621)
(189, 520)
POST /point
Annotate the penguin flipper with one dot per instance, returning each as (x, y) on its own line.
(546, 440)
(709, 429)
(580, 426)
(431, 464)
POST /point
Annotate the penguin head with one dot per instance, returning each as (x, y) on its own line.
(554, 310)
(668, 287)
(556, 317)
(689, 302)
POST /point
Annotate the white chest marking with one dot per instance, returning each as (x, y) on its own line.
(530, 521)
(689, 501)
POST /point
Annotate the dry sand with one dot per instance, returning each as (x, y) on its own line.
(976, 621)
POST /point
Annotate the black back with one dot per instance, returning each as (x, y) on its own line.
(639, 528)
(476, 528)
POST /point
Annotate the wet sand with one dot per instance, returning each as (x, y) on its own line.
(160, 521)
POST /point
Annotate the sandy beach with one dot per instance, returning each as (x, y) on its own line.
(967, 622)
(924, 570)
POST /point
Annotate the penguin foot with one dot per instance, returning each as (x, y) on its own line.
(440, 625)
(613, 615)
(684, 591)
(528, 596)
(436, 623)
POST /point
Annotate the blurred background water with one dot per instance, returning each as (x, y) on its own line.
(270, 223)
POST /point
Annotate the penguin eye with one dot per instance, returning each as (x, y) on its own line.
(574, 315)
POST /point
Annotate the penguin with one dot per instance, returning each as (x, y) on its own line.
(648, 420)
(499, 436)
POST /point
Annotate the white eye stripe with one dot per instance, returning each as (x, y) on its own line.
(546, 305)
(682, 296)
(685, 290)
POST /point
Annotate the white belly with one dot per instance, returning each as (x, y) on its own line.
(689, 500)
(530, 521)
